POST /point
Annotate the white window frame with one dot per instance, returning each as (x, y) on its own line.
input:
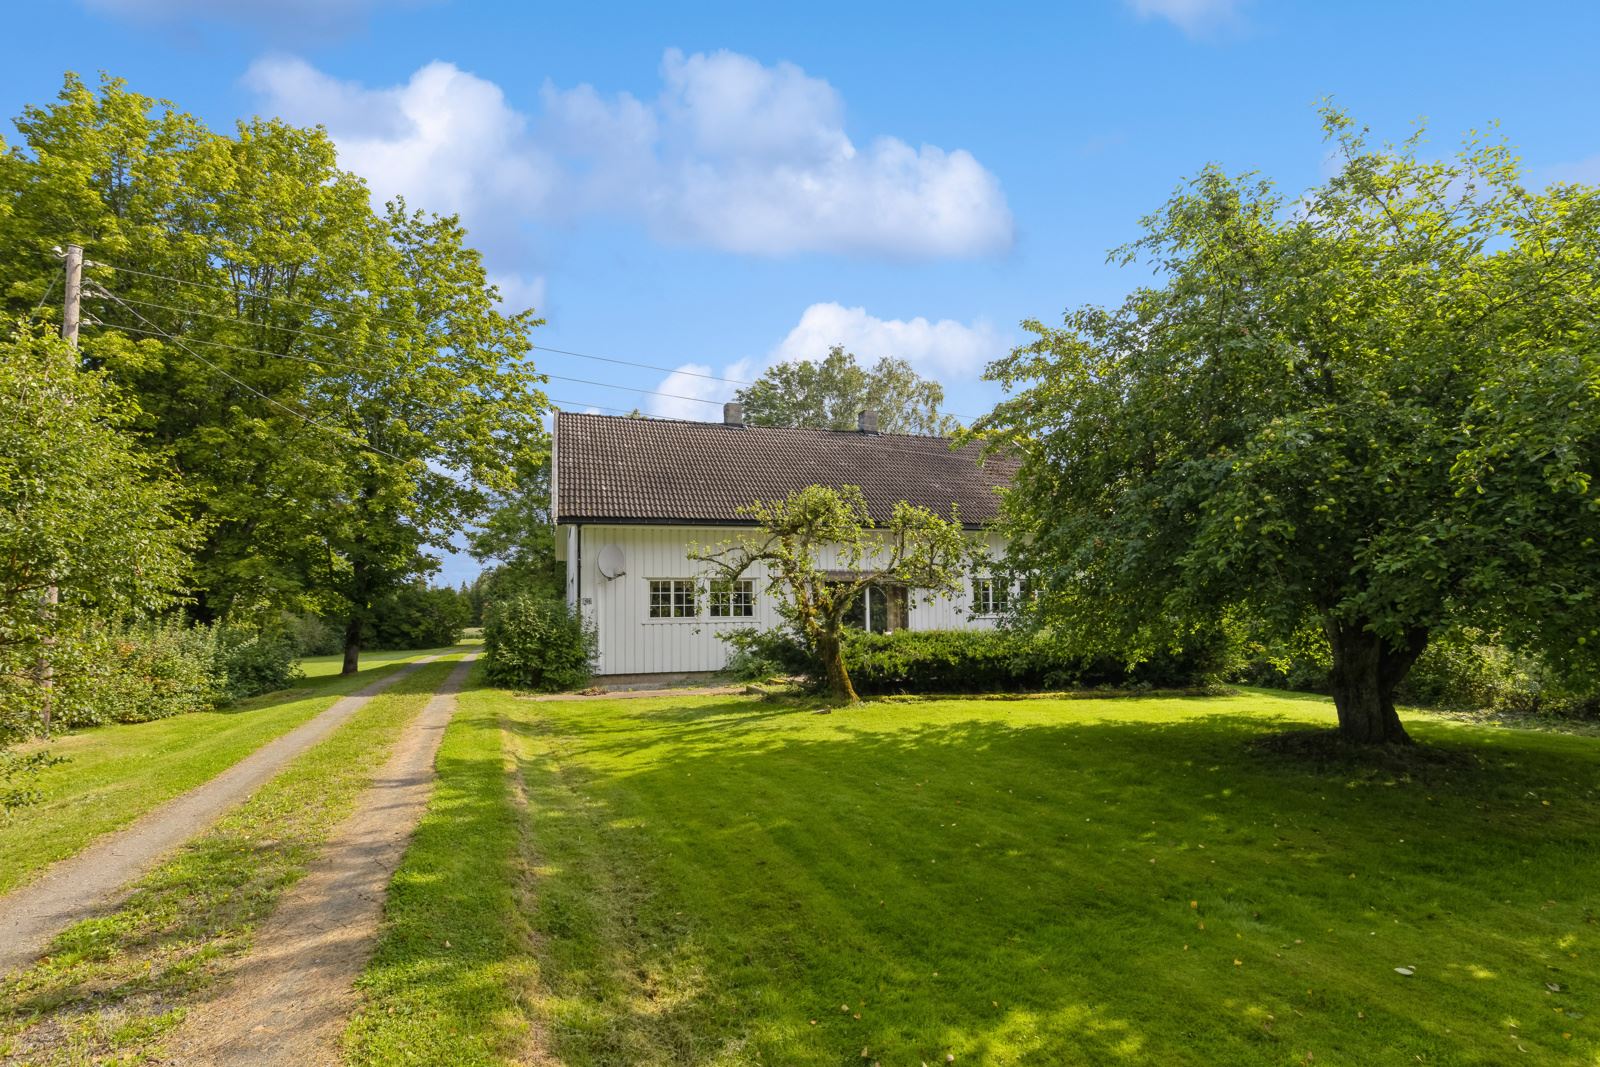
(732, 595)
(679, 592)
(991, 596)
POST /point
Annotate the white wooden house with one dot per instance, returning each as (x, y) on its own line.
(631, 496)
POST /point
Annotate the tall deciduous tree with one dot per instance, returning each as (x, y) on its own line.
(336, 383)
(828, 395)
(819, 549)
(1369, 410)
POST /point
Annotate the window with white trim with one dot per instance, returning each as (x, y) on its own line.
(990, 596)
(672, 598)
(733, 600)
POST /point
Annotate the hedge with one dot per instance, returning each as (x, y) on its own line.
(973, 661)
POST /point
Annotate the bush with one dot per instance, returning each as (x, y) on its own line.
(251, 662)
(1464, 670)
(972, 661)
(761, 654)
(136, 673)
(532, 642)
(314, 635)
(416, 616)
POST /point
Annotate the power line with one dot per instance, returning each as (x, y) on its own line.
(239, 348)
(308, 420)
(642, 366)
(318, 334)
(54, 280)
(237, 291)
(535, 346)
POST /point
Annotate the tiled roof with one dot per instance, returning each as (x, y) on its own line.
(616, 469)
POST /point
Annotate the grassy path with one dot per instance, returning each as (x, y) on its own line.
(88, 881)
(113, 987)
(287, 1000)
(453, 977)
(115, 774)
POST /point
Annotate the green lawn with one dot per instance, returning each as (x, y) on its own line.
(111, 988)
(114, 774)
(726, 881)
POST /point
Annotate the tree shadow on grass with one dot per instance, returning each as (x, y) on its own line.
(719, 876)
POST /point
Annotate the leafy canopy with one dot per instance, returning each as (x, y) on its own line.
(336, 383)
(828, 395)
(1368, 410)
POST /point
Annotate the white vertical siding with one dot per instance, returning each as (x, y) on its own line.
(630, 642)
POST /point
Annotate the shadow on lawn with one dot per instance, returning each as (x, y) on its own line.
(1020, 891)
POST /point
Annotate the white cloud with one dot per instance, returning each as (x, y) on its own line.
(696, 380)
(732, 154)
(1191, 16)
(942, 349)
(945, 350)
(519, 292)
(446, 140)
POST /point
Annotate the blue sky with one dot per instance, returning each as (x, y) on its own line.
(719, 187)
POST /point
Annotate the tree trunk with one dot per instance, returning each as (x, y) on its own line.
(831, 649)
(1366, 671)
(352, 643)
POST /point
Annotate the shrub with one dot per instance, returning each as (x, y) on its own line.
(969, 661)
(1464, 670)
(314, 635)
(417, 616)
(136, 673)
(761, 654)
(250, 662)
(532, 642)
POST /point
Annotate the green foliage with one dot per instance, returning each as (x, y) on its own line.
(80, 507)
(517, 541)
(757, 655)
(420, 616)
(312, 634)
(978, 661)
(253, 661)
(1463, 670)
(404, 399)
(532, 642)
(1368, 410)
(828, 395)
(140, 672)
(820, 547)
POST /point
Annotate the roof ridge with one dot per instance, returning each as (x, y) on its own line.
(750, 426)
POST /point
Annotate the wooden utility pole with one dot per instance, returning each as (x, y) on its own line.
(74, 291)
(70, 315)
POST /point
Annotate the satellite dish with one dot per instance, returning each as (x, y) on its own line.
(611, 563)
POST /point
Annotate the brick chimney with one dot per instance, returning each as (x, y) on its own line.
(733, 413)
(867, 421)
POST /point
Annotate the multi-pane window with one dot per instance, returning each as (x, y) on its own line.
(990, 596)
(733, 600)
(672, 598)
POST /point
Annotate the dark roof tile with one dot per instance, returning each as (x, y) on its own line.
(617, 469)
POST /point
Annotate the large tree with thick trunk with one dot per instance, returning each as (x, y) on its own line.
(1368, 412)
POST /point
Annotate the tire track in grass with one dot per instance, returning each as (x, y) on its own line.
(455, 972)
(287, 1000)
(93, 879)
(113, 987)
